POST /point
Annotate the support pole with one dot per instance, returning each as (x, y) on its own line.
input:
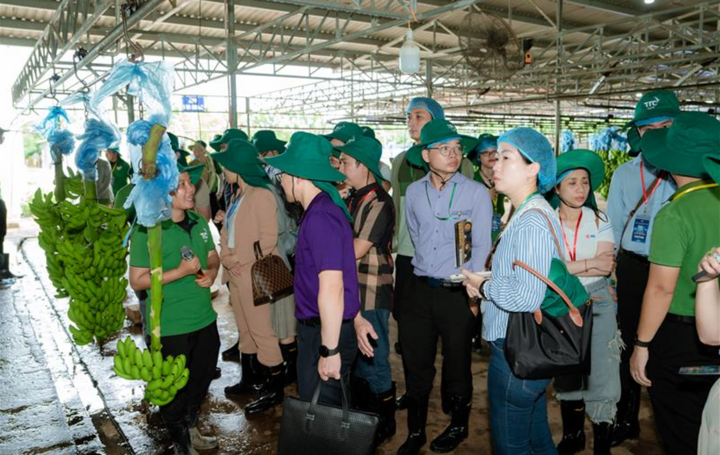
(247, 115)
(130, 103)
(428, 78)
(558, 120)
(231, 62)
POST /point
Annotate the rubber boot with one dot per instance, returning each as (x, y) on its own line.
(197, 439)
(401, 403)
(417, 408)
(627, 424)
(360, 395)
(602, 437)
(383, 404)
(180, 437)
(251, 379)
(232, 354)
(573, 420)
(289, 354)
(5, 273)
(457, 431)
(272, 393)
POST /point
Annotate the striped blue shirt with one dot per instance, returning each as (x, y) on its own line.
(527, 238)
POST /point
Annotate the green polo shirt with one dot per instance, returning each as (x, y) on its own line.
(120, 174)
(187, 307)
(684, 230)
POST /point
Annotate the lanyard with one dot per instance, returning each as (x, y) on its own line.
(573, 253)
(452, 197)
(647, 196)
(233, 207)
(112, 171)
(357, 204)
(695, 188)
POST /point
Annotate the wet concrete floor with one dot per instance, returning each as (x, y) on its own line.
(56, 397)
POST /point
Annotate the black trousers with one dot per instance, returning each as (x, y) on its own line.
(632, 276)
(201, 350)
(678, 400)
(3, 225)
(309, 340)
(403, 280)
(436, 313)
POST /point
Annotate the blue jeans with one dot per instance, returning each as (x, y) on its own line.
(376, 370)
(518, 409)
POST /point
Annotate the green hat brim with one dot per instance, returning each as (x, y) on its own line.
(289, 164)
(226, 137)
(373, 167)
(674, 161)
(233, 163)
(712, 166)
(414, 154)
(195, 172)
(583, 159)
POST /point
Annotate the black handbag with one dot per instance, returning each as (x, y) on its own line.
(309, 428)
(545, 344)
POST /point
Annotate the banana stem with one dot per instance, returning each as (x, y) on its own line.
(59, 178)
(156, 294)
(149, 157)
(90, 190)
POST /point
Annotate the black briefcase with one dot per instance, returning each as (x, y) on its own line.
(309, 428)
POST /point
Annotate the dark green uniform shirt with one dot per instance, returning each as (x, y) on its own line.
(121, 173)
(186, 307)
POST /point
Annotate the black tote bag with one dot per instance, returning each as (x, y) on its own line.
(309, 428)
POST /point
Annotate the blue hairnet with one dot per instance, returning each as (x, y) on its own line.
(151, 198)
(489, 142)
(567, 141)
(536, 148)
(648, 121)
(429, 104)
(98, 136)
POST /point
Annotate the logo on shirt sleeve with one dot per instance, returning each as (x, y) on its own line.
(204, 234)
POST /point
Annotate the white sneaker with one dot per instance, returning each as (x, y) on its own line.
(201, 442)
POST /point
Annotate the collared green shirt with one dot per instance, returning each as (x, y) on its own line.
(686, 229)
(186, 307)
(121, 173)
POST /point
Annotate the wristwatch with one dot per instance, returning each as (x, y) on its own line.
(641, 344)
(325, 352)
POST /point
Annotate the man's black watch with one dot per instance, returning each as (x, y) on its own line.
(641, 344)
(325, 352)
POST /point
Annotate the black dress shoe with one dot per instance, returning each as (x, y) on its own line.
(218, 373)
(232, 354)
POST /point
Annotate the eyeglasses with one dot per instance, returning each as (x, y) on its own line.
(446, 150)
(493, 154)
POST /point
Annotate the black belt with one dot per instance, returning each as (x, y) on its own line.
(439, 283)
(635, 256)
(315, 322)
(690, 320)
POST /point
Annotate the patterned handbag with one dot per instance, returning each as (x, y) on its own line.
(271, 279)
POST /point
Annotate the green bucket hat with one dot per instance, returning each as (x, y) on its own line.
(655, 106)
(712, 166)
(230, 133)
(579, 159)
(571, 286)
(241, 157)
(369, 132)
(485, 141)
(680, 149)
(195, 172)
(266, 141)
(308, 156)
(175, 145)
(438, 130)
(367, 151)
(343, 131)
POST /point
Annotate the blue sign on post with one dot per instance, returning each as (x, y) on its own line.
(193, 103)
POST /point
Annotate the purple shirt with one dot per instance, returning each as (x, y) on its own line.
(325, 242)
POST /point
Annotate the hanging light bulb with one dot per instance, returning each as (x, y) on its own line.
(409, 55)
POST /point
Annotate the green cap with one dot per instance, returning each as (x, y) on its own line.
(230, 133)
(195, 172)
(571, 286)
(438, 130)
(655, 106)
(680, 149)
(579, 159)
(307, 156)
(712, 165)
(367, 151)
(114, 150)
(241, 157)
(266, 141)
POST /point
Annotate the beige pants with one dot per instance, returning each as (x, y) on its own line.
(254, 323)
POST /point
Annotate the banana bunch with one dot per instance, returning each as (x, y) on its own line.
(86, 259)
(164, 377)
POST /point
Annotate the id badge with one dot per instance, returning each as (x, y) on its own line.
(641, 228)
(496, 223)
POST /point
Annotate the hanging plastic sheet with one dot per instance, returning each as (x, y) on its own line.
(98, 136)
(150, 82)
(151, 198)
(61, 140)
(567, 141)
(608, 139)
(52, 121)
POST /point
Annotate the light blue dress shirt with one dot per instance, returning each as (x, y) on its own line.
(625, 191)
(434, 239)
